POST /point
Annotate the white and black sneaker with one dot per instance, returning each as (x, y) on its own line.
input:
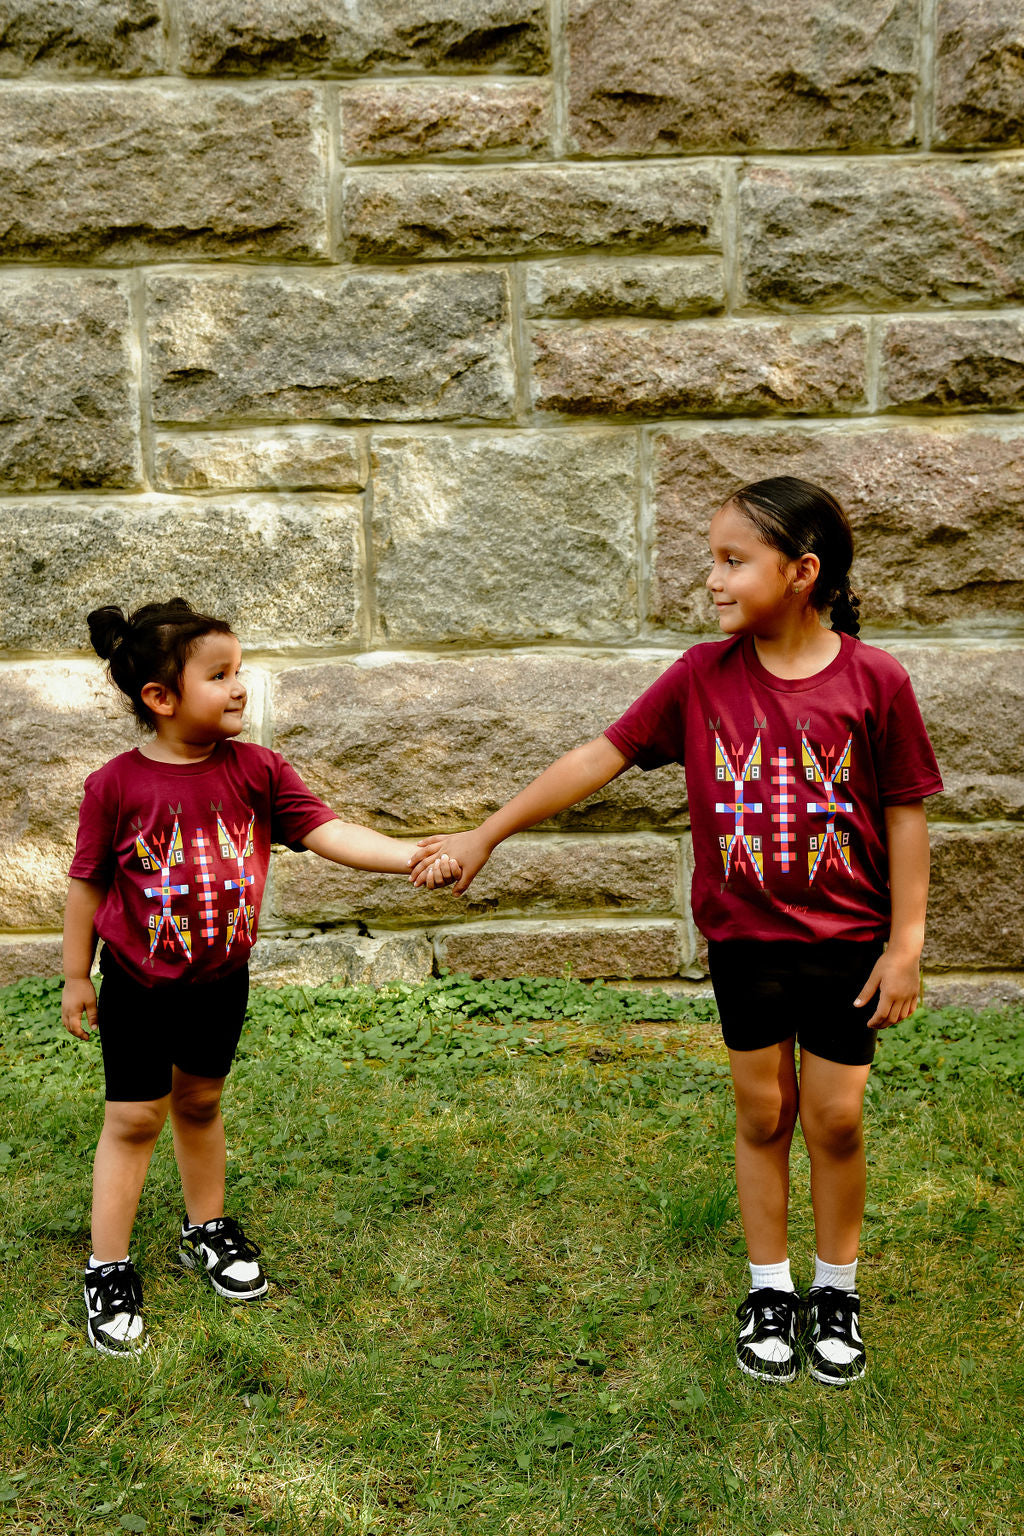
(835, 1348)
(766, 1344)
(113, 1304)
(222, 1250)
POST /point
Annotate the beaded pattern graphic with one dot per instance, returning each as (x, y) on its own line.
(783, 801)
(828, 849)
(202, 858)
(740, 848)
(164, 854)
(827, 768)
(237, 848)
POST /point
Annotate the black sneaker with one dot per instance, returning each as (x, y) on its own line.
(835, 1348)
(766, 1344)
(113, 1304)
(221, 1248)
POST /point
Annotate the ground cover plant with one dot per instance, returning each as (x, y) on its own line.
(500, 1223)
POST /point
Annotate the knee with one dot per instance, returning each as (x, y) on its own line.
(763, 1122)
(835, 1131)
(137, 1124)
(196, 1106)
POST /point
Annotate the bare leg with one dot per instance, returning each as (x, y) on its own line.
(767, 1098)
(126, 1143)
(831, 1115)
(199, 1143)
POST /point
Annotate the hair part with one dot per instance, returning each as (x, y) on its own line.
(798, 518)
(150, 645)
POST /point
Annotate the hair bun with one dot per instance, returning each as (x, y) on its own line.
(108, 629)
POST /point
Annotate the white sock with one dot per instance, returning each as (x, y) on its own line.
(843, 1277)
(95, 1263)
(775, 1277)
(198, 1226)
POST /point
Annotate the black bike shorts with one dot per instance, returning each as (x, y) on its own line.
(770, 992)
(145, 1031)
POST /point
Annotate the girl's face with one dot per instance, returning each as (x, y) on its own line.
(212, 696)
(750, 582)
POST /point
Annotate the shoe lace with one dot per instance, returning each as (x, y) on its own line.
(772, 1309)
(833, 1311)
(229, 1239)
(121, 1290)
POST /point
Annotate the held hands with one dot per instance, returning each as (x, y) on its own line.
(462, 853)
(441, 869)
(897, 978)
(78, 997)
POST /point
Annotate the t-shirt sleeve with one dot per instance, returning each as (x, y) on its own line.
(651, 732)
(907, 769)
(296, 811)
(94, 845)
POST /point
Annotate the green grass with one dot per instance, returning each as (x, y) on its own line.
(505, 1260)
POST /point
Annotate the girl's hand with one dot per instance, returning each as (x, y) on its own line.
(898, 980)
(443, 870)
(78, 997)
(464, 853)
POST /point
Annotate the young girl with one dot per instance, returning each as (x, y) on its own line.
(806, 764)
(173, 846)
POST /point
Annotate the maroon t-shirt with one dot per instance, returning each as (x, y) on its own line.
(787, 780)
(183, 850)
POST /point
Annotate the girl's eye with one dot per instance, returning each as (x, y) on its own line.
(732, 560)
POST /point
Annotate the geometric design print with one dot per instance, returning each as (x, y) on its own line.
(163, 856)
(238, 849)
(206, 886)
(740, 848)
(828, 848)
(783, 801)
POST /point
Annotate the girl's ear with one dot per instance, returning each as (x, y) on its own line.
(805, 572)
(158, 699)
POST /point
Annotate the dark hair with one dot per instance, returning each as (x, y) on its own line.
(798, 518)
(150, 645)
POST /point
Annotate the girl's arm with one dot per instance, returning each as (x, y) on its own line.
(345, 842)
(79, 995)
(573, 777)
(898, 972)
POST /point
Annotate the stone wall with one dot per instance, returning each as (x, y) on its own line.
(421, 338)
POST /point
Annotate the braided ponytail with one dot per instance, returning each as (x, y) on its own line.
(845, 614)
(150, 645)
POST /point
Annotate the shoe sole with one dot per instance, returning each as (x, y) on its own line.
(835, 1381)
(764, 1375)
(191, 1262)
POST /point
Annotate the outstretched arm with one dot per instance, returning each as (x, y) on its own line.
(345, 842)
(898, 973)
(79, 995)
(572, 778)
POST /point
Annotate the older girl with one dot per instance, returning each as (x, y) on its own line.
(807, 764)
